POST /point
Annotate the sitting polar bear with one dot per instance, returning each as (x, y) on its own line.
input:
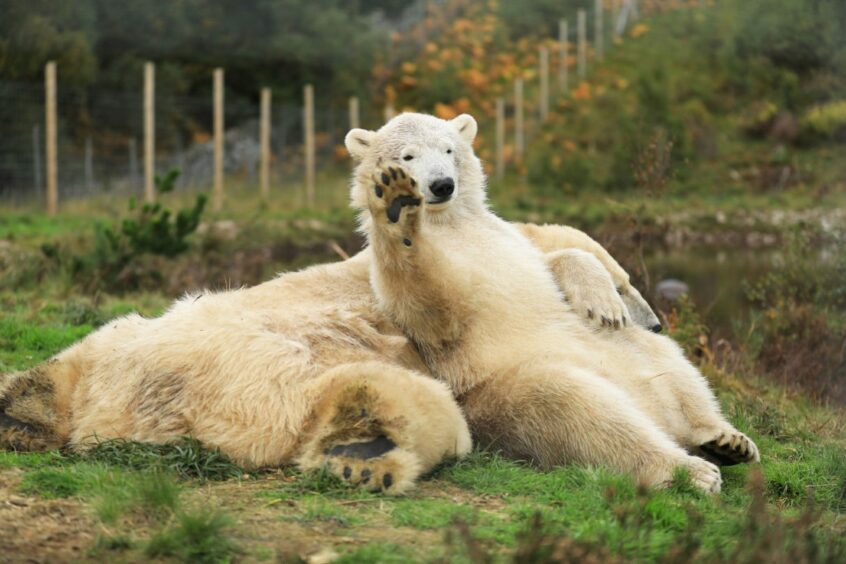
(306, 369)
(481, 305)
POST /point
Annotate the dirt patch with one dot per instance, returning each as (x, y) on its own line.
(37, 530)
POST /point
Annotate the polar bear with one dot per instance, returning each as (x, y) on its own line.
(302, 369)
(481, 305)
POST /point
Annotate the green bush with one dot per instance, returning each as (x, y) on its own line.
(152, 230)
(826, 121)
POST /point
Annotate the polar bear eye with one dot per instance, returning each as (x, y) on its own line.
(449, 151)
(408, 157)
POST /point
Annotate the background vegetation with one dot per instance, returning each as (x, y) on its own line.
(706, 131)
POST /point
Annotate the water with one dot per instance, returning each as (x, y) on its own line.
(717, 278)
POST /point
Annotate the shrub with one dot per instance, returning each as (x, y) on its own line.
(153, 230)
(826, 121)
(800, 326)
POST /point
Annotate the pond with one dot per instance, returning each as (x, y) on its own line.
(717, 279)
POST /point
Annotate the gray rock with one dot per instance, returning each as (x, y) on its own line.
(671, 289)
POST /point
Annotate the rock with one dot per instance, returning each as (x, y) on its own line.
(19, 501)
(671, 289)
(323, 556)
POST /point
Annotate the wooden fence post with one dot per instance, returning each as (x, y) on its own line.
(500, 138)
(544, 83)
(615, 17)
(264, 141)
(599, 31)
(355, 120)
(582, 33)
(519, 134)
(308, 127)
(149, 132)
(563, 52)
(36, 161)
(218, 139)
(51, 139)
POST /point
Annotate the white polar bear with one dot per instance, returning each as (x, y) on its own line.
(302, 369)
(481, 305)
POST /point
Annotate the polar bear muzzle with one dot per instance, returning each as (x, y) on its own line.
(442, 190)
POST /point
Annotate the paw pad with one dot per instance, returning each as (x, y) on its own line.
(398, 189)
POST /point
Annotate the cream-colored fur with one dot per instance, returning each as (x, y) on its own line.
(482, 306)
(307, 369)
(279, 373)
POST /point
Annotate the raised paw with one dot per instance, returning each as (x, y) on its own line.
(394, 190)
(730, 448)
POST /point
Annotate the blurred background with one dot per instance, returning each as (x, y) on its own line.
(703, 142)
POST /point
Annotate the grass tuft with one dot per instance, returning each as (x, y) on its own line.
(186, 458)
(195, 537)
(51, 483)
(154, 496)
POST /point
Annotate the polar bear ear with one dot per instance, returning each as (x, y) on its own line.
(358, 142)
(466, 126)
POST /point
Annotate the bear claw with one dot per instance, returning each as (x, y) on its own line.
(730, 448)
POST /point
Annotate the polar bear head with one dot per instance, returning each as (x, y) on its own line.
(437, 152)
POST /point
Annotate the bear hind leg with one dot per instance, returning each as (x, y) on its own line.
(380, 427)
(28, 418)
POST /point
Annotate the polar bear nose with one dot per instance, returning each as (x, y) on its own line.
(442, 189)
(656, 328)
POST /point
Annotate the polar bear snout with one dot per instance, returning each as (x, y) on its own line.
(442, 190)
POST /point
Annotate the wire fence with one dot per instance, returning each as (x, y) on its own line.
(100, 141)
(100, 134)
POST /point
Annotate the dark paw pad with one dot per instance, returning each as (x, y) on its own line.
(11, 422)
(399, 203)
(723, 454)
(387, 480)
(363, 451)
(365, 476)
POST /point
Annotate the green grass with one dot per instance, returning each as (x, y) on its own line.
(194, 537)
(185, 458)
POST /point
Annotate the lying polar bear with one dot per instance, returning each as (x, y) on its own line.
(303, 369)
(482, 306)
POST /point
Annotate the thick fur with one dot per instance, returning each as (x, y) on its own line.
(304, 368)
(481, 304)
(294, 370)
(308, 369)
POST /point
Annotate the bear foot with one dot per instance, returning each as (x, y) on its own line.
(703, 474)
(376, 465)
(729, 448)
(21, 436)
(358, 439)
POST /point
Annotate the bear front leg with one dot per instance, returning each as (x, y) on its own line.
(407, 271)
(588, 288)
(395, 203)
